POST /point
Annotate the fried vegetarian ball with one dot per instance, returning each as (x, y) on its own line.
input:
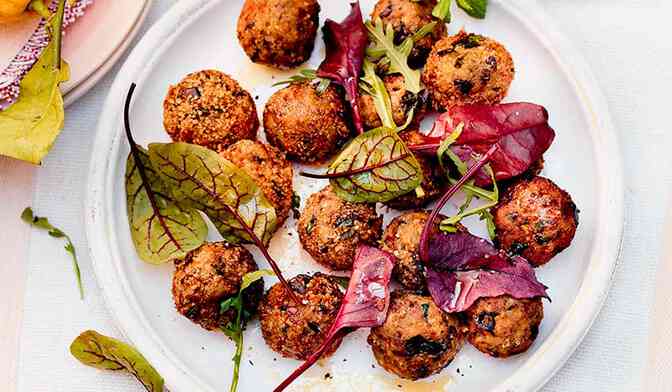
(401, 100)
(307, 125)
(535, 219)
(433, 180)
(504, 326)
(467, 68)
(269, 168)
(207, 276)
(406, 18)
(297, 330)
(280, 33)
(417, 338)
(402, 238)
(331, 229)
(210, 109)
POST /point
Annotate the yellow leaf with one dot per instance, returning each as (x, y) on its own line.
(29, 127)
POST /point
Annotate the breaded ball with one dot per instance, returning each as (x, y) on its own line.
(210, 109)
(280, 33)
(331, 229)
(401, 100)
(504, 326)
(417, 339)
(466, 69)
(433, 180)
(406, 18)
(535, 219)
(269, 168)
(402, 239)
(207, 276)
(308, 126)
(297, 330)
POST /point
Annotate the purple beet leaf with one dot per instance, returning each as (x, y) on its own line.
(364, 305)
(346, 45)
(520, 130)
(463, 268)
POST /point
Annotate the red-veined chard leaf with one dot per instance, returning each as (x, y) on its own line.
(376, 166)
(520, 130)
(345, 45)
(202, 179)
(161, 228)
(364, 305)
(102, 352)
(463, 268)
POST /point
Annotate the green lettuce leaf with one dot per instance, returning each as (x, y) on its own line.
(30, 126)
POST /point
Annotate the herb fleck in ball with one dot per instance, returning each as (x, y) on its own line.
(407, 17)
(504, 326)
(307, 125)
(210, 109)
(467, 69)
(331, 229)
(297, 330)
(269, 168)
(417, 339)
(209, 275)
(535, 219)
(280, 33)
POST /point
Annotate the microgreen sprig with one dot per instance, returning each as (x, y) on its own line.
(234, 330)
(374, 86)
(43, 223)
(307, 75)
(442, 10)
(449, 225)
(474, 8)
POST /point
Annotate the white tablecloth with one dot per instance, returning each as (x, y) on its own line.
(629, 47)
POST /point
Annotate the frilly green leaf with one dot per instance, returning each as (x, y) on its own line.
(102, 352)
(382, 44)
(161, 228)
(200, 178)
(376, 166)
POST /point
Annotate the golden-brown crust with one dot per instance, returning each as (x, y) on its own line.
(211, 109)
(296, 331)
(207, 276)
(504, 326)
(433, 180)
(331, 229)
(269, 168)
(309, 127)
(417, 338)
(467, 69)
(401, 238)
(406, 18)
(536, 219)
(280, 33)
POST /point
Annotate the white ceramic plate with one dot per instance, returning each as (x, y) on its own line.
(200, 34)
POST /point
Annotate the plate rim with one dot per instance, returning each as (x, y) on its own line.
(536, 371)
(89, 81)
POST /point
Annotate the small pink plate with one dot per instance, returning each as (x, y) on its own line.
(91, 46)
